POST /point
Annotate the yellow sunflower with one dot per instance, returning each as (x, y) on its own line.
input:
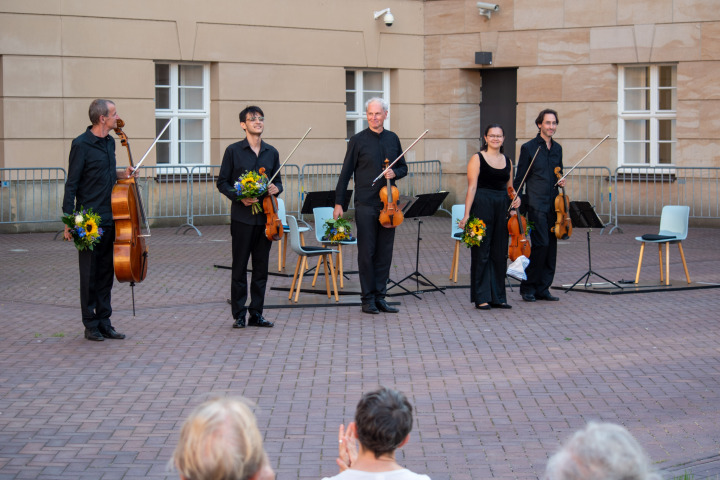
(91, 228)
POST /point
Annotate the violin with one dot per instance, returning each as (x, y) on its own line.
(390, 215)
(273, 224)
(130, 254)
(563, 224)
(517, 228)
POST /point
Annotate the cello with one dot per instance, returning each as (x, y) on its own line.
(130, 253)
(390, 215)
(563, 225)
(517, 227)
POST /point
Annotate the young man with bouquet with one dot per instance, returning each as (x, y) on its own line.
(239, 180)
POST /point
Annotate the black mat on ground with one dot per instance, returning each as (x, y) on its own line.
(604, 288)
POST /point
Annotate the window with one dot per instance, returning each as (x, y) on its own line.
(182, 94)
(361, 86)
(647, 111)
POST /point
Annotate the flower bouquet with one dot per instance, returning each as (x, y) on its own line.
(474, 232)
(252, 185)
(84, 228)
(337, 231)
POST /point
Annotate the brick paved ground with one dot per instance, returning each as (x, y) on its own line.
(495, 392)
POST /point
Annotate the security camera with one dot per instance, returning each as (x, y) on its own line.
(489, 6)
(387, 17)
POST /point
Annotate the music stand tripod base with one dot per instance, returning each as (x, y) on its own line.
(583, 215)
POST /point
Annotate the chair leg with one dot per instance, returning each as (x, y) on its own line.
(637, 275)
(457, 260)
(306, 265)
(280, 254)
(284, 250)
(299, 284)
(339, 266)
(662, 279)
(452, 266)
(334, 279)
(327, 274)
(317, 270)
(297, 267)
(682, 255)
(667, 263)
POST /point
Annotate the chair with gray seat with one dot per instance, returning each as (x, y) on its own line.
(322, 214)
(457, 212)
(282, 246)
(673, 229)
(303, 252)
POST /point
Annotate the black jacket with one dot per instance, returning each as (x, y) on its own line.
(540, 191)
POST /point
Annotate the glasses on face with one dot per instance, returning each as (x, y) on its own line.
(254, 119)
(496, 137)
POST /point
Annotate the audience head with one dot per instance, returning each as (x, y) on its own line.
(383, 420)
(601, 451)
(220, 440)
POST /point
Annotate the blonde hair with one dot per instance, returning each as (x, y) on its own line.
(220, 441)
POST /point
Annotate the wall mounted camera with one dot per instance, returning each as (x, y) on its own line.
(387, 17)
(487, 9)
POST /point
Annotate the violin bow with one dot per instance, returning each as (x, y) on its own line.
(153, 145)
(288, 157)
(517, 192)
(578, 163)
(399, 157)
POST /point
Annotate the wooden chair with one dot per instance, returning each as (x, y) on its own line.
(324, 256)
(673, 229)
(282, 246)
(321, 214)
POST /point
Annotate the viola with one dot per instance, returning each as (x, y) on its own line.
(390, 215)
(563, 224)
(130, 253)
(273, 224)
(517, 228)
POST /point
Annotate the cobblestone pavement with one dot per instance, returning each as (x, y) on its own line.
(495, 391)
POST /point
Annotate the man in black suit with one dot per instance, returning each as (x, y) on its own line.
(366, 152)
(540, 193)
(247, 228)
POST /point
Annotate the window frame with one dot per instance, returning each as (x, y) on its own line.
(172, 135)
(357, 115)
(653, 115)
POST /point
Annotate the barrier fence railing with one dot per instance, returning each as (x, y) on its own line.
(642, 192)
(592, 185)
(31, 195)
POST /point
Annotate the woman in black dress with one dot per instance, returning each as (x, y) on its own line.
(489, 175)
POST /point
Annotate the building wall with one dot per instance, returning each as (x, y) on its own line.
(567, 53)
(289, 57)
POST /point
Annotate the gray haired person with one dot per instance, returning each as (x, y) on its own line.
(601, 451)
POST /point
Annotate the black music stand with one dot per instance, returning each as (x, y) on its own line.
(583, 215)
(424, 205)
(322, 199)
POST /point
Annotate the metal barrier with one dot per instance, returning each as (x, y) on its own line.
(642, 192)
(593, 185)
(31, 195)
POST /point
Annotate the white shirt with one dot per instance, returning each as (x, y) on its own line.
(403, 474)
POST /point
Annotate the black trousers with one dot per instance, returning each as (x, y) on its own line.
(375, 249)
(543, 254)
(247, 241)
(488, 262)
(96, 280)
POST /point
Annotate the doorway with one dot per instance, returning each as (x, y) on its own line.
(499, 104)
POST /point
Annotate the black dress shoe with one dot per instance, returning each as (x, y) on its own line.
(383, 306)
(547, 297)
(111, 333)
(483, 307)
(239, 323)
(501, 305)
(95, 336)
(259, 321)
(528, 297)
(370, 308)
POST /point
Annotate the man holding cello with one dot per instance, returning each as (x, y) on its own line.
(366, 152)
(89, 185)
(248, 228)
(539, 198)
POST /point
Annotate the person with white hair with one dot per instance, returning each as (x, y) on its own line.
(601, 451)
(221, 440)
